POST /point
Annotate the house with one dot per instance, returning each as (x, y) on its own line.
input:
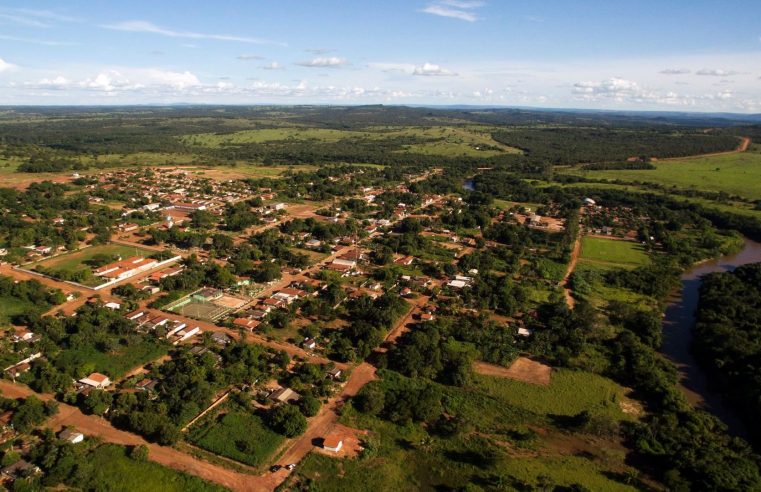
(426, 317)
(334, 373)
(277, 206)
(115, 306)
(71, 436)
(404, 260)
(283, 395)
(250, 324)
(20, 468)
(96, 380)
(589, 202)
(332, 443)
(524, 332)
(457, 284)
(309, 343)
(147, 385)
(21, 334)
(221, 339)
(313, 243)
(406, 292)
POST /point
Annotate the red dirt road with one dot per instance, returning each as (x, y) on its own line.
(571, 266)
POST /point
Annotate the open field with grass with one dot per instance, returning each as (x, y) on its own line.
(236, 435)
(77, 260)
(612, 253)
(115, 363)
(112, 469)
(471, 141)
(11, 306)
(568, 393)
(736, 174)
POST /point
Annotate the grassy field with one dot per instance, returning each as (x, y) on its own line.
(11, 306)
(114, 363)
(111, 469)
(737, 174)
(612, 253)
(569, 393)
(77, 260)
(468, 141)
(237, 435)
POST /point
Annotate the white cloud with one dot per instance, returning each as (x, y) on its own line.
(675, 71)
(455, 9)
(5, 66)
(432, 70)
(148, 27)
(247, 57)
(716, 72)
(272, 66)
(43, 42)
(324, 62)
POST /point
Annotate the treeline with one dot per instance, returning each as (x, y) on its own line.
(727, 339)
(573, 145)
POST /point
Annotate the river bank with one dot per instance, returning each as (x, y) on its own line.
(678, 323)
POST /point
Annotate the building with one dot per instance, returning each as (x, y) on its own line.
(221, 339)
(207, 294)
(283, 395)
(332, 443)
(334, 373)
(96, 380)
(71, 436)
(247, 323)
(122, 269)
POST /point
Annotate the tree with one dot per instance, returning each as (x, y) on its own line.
(287, 420)
(309, 405)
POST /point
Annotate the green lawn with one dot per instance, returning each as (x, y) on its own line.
(613, 253)
(737, 174)
(115, 363)
(112, 470)
(237, 435)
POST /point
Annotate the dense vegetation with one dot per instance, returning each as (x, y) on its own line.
(727, 338)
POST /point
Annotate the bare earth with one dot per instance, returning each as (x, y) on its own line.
(523, 369)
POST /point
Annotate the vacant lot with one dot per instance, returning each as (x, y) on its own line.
(736, 174)
(112, 469)
(569, 393)
(612, 253)
(236, 435)
(115, 363)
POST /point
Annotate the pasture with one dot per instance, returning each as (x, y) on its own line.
(612, 253)
(466, 141)
(736, 174)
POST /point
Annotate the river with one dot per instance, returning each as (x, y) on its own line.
(677, 334)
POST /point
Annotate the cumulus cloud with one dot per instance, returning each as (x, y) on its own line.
(247, 57)
(148, 27)
(454, 9)
(675, 71)
(324, 62)
(432, 70)
(5, 66)
(716, 72)
(122, 81)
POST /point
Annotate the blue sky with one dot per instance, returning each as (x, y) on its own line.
(675, 55)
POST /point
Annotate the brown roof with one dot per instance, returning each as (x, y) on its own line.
(331, 441)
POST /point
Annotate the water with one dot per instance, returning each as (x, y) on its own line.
(677, 334)
(468, 185)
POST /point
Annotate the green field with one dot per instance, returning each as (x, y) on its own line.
(569, 393)
(237, 435)
(111, 469)
(76, 260)
(736, 174)
(114, 363)
(10, 306)
(612, 253)
(470, 141)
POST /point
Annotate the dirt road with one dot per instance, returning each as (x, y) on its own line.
(571, 266)
(741, 147)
